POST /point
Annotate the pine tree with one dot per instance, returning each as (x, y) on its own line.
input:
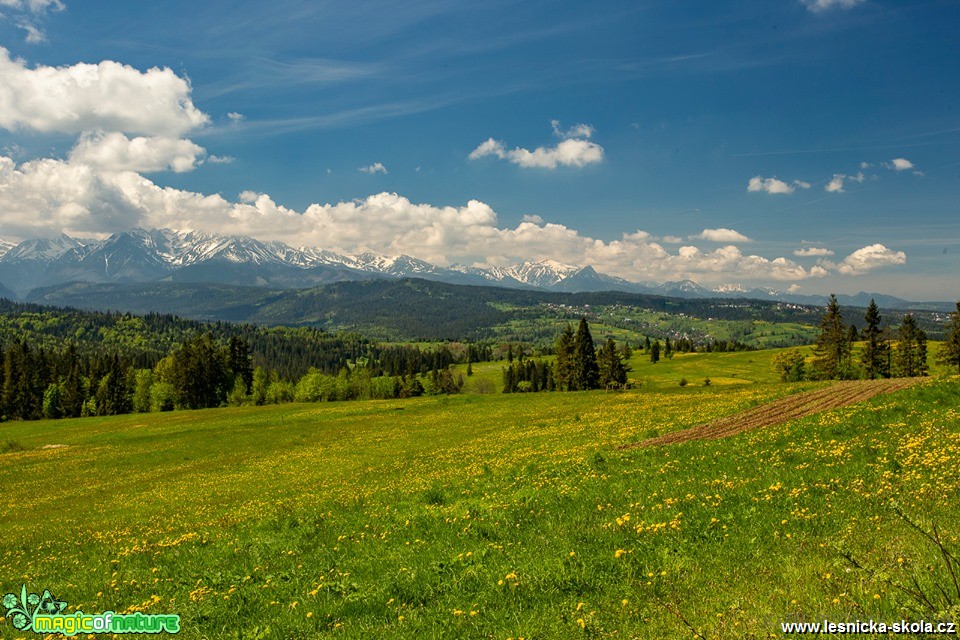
(74, 393)
(564, 374)
(613, 373)
(585, 358)
(832, 350)
(949, 354)
(910, 359)
(876, 350)
(200, 374)
(239, 360)
(655, 352)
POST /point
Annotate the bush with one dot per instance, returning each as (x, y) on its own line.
(162, 396)
(791, 365)
(279, 392)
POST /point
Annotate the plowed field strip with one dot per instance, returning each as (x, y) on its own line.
(792, 407)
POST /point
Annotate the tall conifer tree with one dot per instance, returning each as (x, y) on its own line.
(586, 372)
(910, 359)
(832, 351)
(875, 355)
(564, 374)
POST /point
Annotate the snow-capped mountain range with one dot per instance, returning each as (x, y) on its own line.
(139, 256)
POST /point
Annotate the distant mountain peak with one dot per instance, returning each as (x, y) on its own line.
(42, 249)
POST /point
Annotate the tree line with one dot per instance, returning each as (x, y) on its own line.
(578, 366)
(885, 353)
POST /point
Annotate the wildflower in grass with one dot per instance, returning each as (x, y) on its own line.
(619, 553)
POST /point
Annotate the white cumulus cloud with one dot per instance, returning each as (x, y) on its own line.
(900, 164)
(720, 235)
(869, 258)
(838, 182)
(376, 167)
(576, 131)
(116, 152)
(775, 185)
(807, 252)
(107, 96)
(575, 150)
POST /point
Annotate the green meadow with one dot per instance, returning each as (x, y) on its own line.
(722, 369)
(492, 515)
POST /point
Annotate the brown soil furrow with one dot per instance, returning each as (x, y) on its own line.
(799, 405)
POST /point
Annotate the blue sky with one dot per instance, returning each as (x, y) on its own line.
(652, 120)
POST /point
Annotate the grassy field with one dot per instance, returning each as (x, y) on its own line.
(723, 369)
(487, 516)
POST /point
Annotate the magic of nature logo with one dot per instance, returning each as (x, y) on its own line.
(43, 613)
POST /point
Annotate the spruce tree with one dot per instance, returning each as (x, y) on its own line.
(832, 350)
(655, 352)
(613, 373)
(239, 360)
(74, 392)
(564, 374)
(586, 372)
(875, 355)
(949, 354)
(910, 359)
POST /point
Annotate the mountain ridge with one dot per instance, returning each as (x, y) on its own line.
(142, 256)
